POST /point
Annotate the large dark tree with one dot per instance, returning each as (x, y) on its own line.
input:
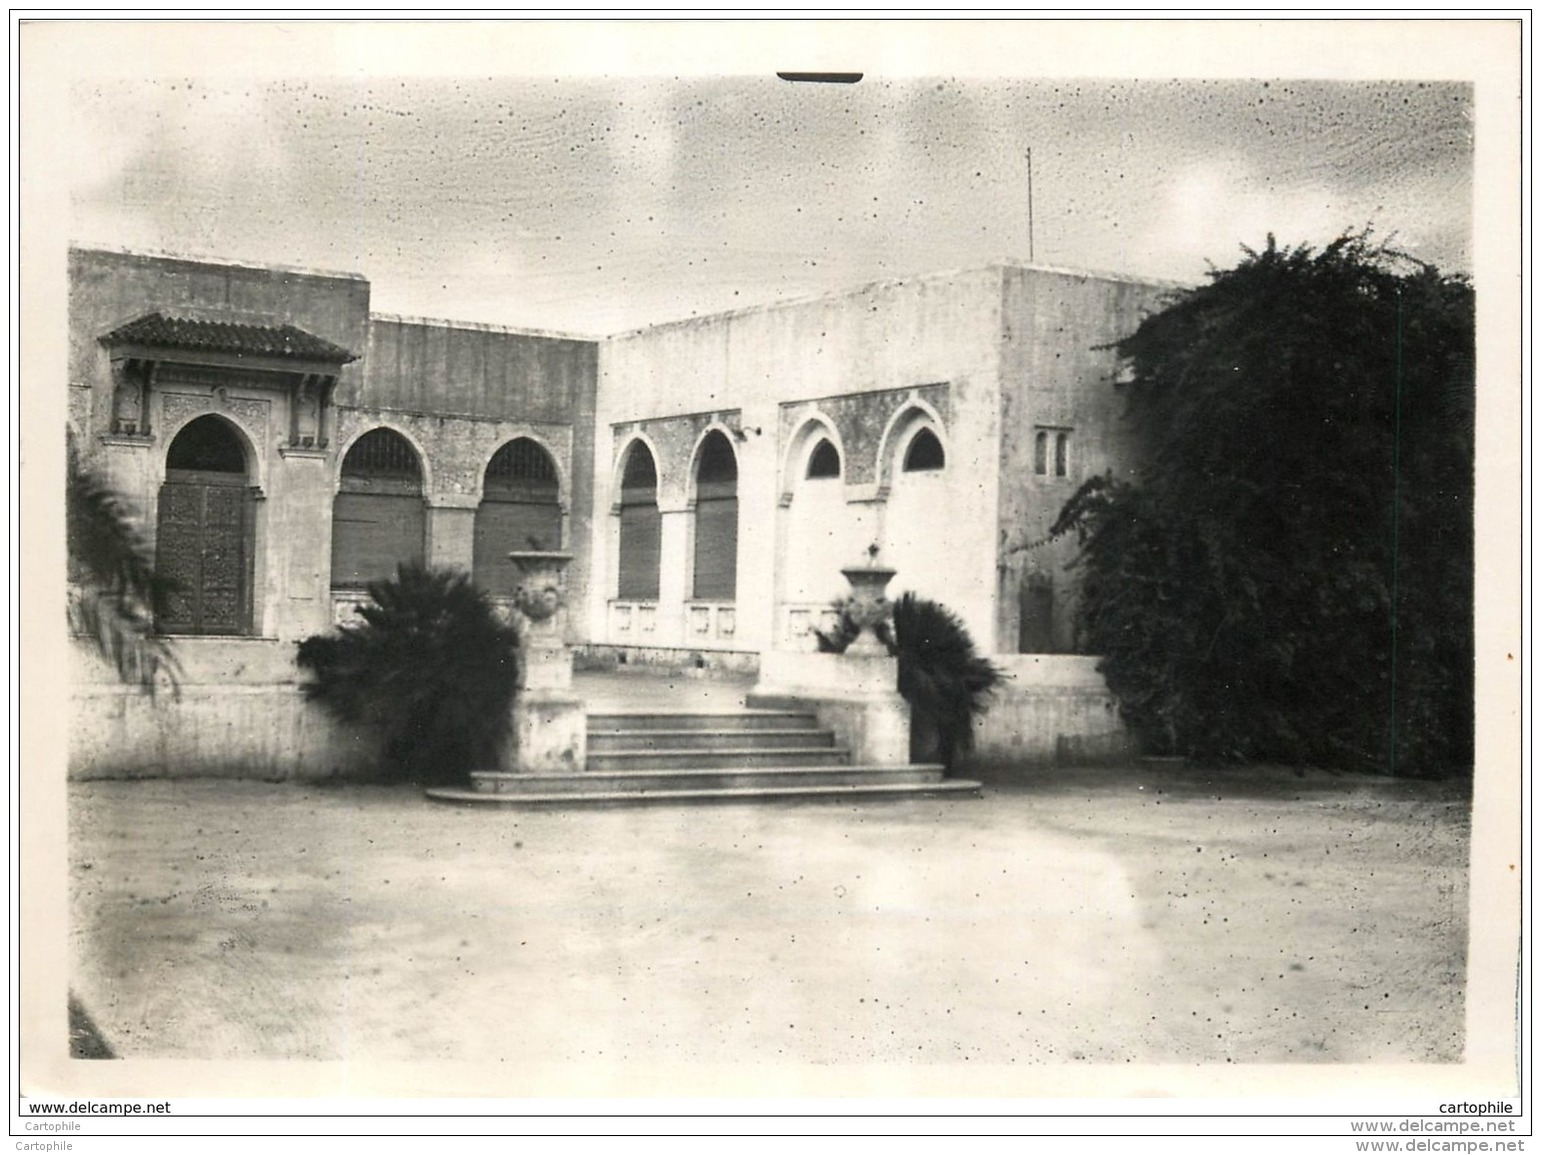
(1291, 576)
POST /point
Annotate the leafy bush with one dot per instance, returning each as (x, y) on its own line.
(1291, 578)
(429, 667)
(943, 677)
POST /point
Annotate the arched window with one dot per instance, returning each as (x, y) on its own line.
(824, 461)
(520, 509)
(205, 531)
(924, 452)
(641, 527)
(377, 517)
(206, 445)
(716, 537)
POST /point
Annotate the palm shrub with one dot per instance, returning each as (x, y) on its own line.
(114, 592)
(429, 667)
(945, 679)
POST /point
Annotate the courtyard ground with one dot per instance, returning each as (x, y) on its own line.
(1152, 914)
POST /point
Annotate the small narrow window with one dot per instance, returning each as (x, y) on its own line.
(924, 452)
(1051, 452)
(824, 461)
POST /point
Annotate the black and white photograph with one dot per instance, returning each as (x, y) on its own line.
(773, 561)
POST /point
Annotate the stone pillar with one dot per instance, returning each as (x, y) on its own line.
(855, 693)
(299, 533)
(674, 555)
(451, 531)
(550, 723)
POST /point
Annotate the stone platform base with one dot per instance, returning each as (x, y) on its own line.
(550, 733)
(855, 695)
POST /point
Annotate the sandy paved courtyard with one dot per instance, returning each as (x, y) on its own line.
(1151, 916)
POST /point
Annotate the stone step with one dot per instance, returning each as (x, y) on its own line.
(610, 721)
(727, 778)
(721, 758)
(859, 792)
(606, 741)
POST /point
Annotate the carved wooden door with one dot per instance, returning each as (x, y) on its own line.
(203, 547)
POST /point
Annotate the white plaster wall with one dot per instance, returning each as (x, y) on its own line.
(891, 336)
(924, 538)
(239, 712)
(822, 535)
(1053, 708)
(1058, 370)
(237, 731)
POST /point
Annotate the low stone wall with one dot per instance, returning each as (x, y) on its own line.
(658, 659)
(240, 713)
(1054, 708)
(267, 732)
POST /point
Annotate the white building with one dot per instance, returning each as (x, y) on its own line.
(710, 477)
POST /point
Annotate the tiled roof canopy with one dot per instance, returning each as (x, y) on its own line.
(157, 329)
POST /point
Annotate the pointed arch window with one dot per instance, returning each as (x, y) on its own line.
(715, 576)
(520, 509)
(641, 527)
(378, 519)
(824, 461)
(924, 453)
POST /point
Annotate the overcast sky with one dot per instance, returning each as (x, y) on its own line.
(593, 205)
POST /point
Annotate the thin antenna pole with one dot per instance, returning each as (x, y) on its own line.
(1031, 256)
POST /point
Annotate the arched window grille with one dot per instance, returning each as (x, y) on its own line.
(381, 453)
(378, 519)
(520, 510)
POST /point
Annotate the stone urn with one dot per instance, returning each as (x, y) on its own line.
(550, 727)
(855, 693)
(541, 601)
(540, 594)
(869, 608)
